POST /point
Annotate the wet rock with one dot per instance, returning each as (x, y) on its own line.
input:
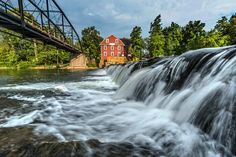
(21, 142)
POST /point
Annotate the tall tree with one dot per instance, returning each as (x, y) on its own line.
(223, 26)
(156, 39)
(90, 41)
(136, 42)
(215, 39)
(227, 28)
(192, 35)
(173, 38)
(16, 51)
(232, 29)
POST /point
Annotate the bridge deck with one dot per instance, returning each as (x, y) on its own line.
(36, 31)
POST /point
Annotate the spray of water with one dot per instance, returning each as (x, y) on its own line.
(183, 106)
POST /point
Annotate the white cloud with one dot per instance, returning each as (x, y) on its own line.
(120, 16)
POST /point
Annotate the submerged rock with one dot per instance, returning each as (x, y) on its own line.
(21, 142)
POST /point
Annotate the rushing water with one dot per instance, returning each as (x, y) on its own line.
(183, 106)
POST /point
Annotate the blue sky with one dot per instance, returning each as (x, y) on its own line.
(118, 17)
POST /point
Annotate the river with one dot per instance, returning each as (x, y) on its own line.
(147, 106)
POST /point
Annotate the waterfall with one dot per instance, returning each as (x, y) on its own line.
(198, 87)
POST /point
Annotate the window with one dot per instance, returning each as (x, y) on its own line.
(107, 40)
(119, 54)
(116, 41)
(105, 47)
(105, 53)
(112, 53)
(119, 48)
(112, 47)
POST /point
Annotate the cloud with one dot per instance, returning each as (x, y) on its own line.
(119, 17)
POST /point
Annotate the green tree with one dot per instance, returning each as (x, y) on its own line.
(156, 38)
(215, 39)
(227, 29)
(223, 26)
(173, 39)
(136, 42)
(18, 52)
(232, 29)
(90, 41)
(192, 36)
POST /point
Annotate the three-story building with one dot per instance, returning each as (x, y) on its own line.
(112, 51)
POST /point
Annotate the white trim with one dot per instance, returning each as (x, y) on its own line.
(112, 47)
(119, 54)
(112, 54)
(104, 53)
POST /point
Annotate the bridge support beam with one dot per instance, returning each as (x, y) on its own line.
(41, 27)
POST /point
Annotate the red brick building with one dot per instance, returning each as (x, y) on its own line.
(112, 51)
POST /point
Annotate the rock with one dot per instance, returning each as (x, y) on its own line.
(21, 142)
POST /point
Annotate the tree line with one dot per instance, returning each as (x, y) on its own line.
(24, 53)
(162, 41)
(176, 39)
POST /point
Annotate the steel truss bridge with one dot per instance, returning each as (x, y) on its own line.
(43, 20)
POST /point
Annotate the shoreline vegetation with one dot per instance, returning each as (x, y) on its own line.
(172, 40)
(48, 67)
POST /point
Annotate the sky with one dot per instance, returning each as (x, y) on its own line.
(118, 17)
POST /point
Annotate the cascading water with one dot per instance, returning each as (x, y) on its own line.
(175, 107)
(197, 88)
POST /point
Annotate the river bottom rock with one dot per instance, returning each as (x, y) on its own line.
(21, 142)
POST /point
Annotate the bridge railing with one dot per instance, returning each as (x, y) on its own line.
(45, 15)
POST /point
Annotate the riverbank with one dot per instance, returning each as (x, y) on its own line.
(50, 67)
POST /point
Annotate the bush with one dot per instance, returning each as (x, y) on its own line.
(23, 65)
(91, 65)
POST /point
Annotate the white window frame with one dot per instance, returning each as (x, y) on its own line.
(105, 47)
(116, 41)
(119, 53)
(105, 53)
(119, 47)
(107, 40)
(112, 47)
(112, 54)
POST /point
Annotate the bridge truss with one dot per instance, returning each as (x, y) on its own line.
(43, 20)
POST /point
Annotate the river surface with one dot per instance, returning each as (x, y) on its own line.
(139, 109)
(65, 104)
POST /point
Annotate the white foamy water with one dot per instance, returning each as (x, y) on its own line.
(95, 107)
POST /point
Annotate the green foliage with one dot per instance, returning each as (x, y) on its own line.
(175, 40)
(53, 56)
(156, 39)
(136, 42)
(91, 65)
(192, 35)
(227, 29)
(20, 53)
(168, 41)
(214, 39)
(223, 26)
(232, 29)
(23, 65)
(90, 42)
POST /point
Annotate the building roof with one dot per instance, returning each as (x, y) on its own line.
(112, 41)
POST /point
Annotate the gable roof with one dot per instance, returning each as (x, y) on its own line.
(120, 42)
